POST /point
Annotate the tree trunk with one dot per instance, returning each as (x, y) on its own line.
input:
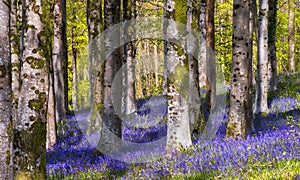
(210, 58)
(30, 128)
(239, 83)
(95, 23)
(262, 61)
(58, 63)
(252, 29)
(129, 12)
(203, 44)
(6, 123)
(178, 131)
(74, 73)
(65, 55)
(111, 131)
(272, 73)
(291, 37)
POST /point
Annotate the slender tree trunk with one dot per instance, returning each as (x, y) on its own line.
(30, 128)
(272, 69)
(129, 12)
(291, 37)
(239, 83)
(262, 61)
(203, 44)
(196, 122)
(95, 24)
(65, 54)
(252, 29)
(58, 63)
(74, 73)
(51, 118)
(6, 123)
(112, 130)
(178, 131)
(210, 57)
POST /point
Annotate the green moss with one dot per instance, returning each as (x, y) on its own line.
(230, 130)
(99, 106)
(35, 63)
(37, 104)
(8, 157)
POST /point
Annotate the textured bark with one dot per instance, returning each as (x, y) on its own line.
(210, 58)
(178, 131)
(129, 12)
(6, 124)
(111, 131)
(262, 61)
(51, 118)
(65, 55)
(203, 44)
(196, 121)
(14, 45)
(95, 24)
(272, 72)
(291, 37)
(252, 29)
(74, 73)
(58, 64)
(239, 82)
(30, 128)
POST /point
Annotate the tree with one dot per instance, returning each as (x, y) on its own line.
(272, 59)
(239, 83)
(111, 132)
(95, 27)
(178, 131)
(6, 138)
(58, 62)
(129, 13)
(291, 35)
(262, 61)
(30, 128)
(210, 59)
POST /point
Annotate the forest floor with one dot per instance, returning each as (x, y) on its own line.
(272, 152)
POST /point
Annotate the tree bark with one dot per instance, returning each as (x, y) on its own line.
(203, 44)
(239, 82)
(262, 61)
(30, 129)
(272, 69)
(58, 63)
(178, 128)
(111, 131)
(291, 36)
(6, 123)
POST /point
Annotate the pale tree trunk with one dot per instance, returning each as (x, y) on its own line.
(239, 82)
(291, 37)
(15, 61)
(252, 29)
(262, 59)
(129, 13)
(210, 57)
(156, 62)
(203, 44)
(6, 123)
(196, 122)
(111, 129)
(30, 128)
(178, 124)
(95, 22)
(74, 73)
(58, 64)
(272, 69)
(51, 119)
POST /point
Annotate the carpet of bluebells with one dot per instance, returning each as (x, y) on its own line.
(277, 139)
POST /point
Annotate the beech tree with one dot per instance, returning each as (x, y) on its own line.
(6, 124)
(30, 127)
(262, 59)
(178, 131)
(239, 82)
(291, 35)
